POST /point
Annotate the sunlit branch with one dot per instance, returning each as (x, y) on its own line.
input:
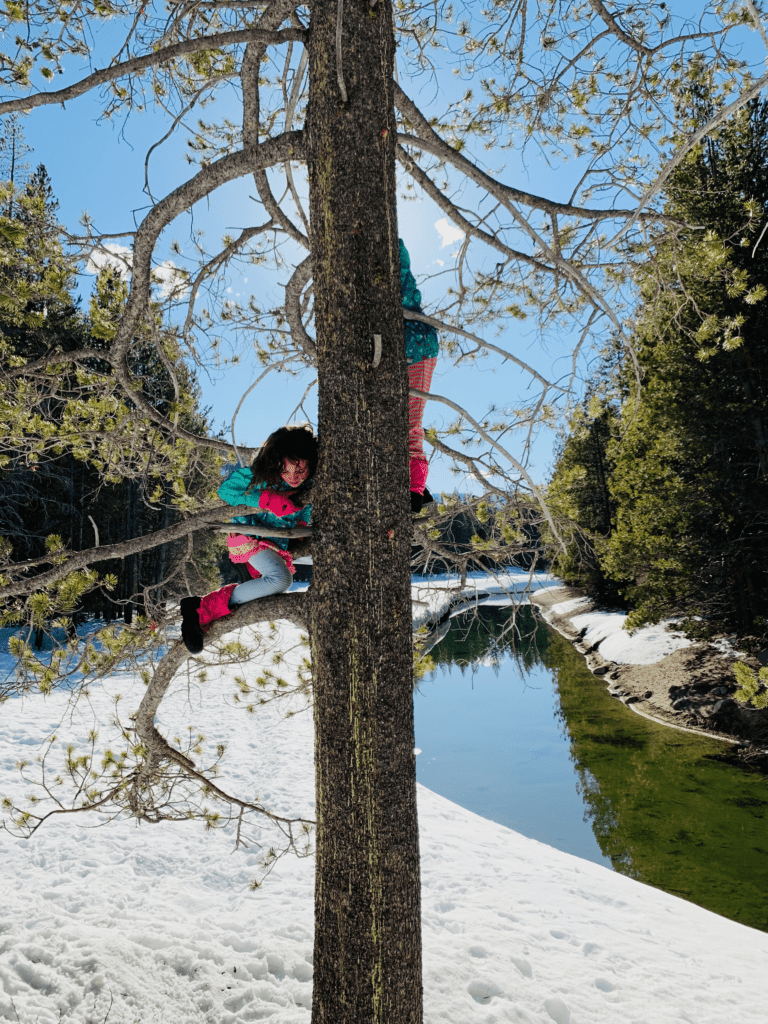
(213, 264)
(445, 204)
(107, 798)
(300, 404)
(409, 314)
(685, 148)
(259, 379)
(174, 124)
(291, 607)
(228, 168)
(249, 77)
(298, 281)
(137, 64)
(758, 23)
(572, 272)
(290, 108)
(428, 139)
(468, 461)
(599, 7)
(80, 559)
(535, 491)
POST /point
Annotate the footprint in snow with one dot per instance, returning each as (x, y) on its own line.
(276, 966)
(523, 966)
(557, 1010)
(483, 991)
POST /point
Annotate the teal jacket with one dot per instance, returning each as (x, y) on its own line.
(276, 509)
(420, 339)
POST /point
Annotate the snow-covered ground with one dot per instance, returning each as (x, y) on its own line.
(433, 598)
(157, 923)
(604, 630)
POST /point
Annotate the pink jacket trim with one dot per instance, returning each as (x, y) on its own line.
(240, 547)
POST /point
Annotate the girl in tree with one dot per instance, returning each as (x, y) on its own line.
(421, 349)
(278, 485)
(281, 475)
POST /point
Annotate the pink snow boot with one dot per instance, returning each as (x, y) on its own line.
(215, 605)
(197, 613)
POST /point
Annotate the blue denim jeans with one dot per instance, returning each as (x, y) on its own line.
(275, 578)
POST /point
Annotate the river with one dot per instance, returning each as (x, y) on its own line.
(512, 725)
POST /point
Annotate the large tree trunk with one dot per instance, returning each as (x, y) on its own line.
(367, 897)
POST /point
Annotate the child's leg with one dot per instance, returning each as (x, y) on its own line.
(420, 378)
(274, 578)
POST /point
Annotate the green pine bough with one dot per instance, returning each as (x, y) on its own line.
(753, 685)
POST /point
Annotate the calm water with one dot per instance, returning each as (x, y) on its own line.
(513, 726)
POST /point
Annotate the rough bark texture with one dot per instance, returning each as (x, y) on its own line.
(367, 898)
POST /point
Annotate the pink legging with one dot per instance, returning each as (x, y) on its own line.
(419, 377)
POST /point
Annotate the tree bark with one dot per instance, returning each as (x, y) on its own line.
(367, 889)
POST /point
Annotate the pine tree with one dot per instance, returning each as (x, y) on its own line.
(666, 496)
(75, 456)
(579, 495)
(689, 477)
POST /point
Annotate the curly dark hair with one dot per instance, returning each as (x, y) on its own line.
(285, 443)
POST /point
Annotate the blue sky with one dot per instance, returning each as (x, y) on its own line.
(98, 166)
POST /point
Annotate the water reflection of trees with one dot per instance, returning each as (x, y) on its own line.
(660, 809)
(488, 635)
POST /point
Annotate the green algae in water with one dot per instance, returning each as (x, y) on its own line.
(662, 808)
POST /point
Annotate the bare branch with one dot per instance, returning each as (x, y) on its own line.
(228, 168)
(298, 281)
(249, 77)
(468, 461)
(263, 531)
(208, 268)
(291, 607)
(758, 23)
(459, 219)
(685, 148)
(599, 7)
(409, 314)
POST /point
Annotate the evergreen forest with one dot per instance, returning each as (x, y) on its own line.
(660, 476)
(78, 467)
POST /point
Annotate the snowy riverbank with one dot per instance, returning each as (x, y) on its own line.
(158, 921)
(660, 673)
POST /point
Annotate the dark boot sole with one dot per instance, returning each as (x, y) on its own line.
(191, 631)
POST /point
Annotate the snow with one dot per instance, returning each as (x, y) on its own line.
(606, 629)
(157, 923)
(433, 598)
